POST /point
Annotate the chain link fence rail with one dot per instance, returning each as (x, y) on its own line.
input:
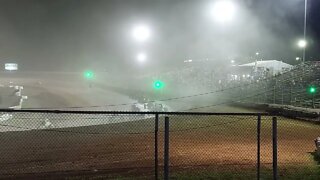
(110, 145)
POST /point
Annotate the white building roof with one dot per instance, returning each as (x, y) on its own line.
(275, 65)
(268, 64)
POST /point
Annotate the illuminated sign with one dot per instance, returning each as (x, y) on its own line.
(11, 66)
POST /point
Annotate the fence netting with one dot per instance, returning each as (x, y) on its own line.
(295, 148)
(225, 147)
(213, 146)
(119, 145)
(297, 155)
(50, 143)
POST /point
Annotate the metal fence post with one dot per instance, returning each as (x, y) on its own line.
(258, 145)
(156, 130)
(166, 148)
(274, 148)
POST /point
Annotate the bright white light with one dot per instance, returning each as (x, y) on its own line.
(302, 43)
(257, 53)
(141, 33)
(297, 58)
(11, 66)
(223, 11)
(141, 57)
(232, 61)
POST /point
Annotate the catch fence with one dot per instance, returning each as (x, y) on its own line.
(152, 145)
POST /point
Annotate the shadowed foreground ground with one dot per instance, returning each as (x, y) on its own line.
(198, 143)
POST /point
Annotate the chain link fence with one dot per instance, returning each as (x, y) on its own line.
(111, 145)
(57, 143)
(297, 156)
(220, 146)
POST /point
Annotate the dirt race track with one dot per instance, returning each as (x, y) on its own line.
(222, 142)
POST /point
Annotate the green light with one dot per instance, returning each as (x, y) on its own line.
(88, 74)
(158, 84)
(312, 90)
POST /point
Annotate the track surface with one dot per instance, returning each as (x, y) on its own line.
(195, 142)
(223, 142)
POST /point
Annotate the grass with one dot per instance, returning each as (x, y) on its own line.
(306, 173)
(286, 173)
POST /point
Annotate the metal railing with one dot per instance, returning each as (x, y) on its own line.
(159, 145)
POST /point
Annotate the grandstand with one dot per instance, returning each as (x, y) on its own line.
(288, 88)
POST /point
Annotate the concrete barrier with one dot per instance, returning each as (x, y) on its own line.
(308, 114)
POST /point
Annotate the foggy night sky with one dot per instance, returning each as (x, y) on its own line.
(71, 35)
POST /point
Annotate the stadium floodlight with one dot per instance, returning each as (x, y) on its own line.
(141, 33)
(88, 74)
(302, 43)
(141, 57)
(223, 11)
(158, 84)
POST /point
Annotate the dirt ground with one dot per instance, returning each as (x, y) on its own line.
(223, 142)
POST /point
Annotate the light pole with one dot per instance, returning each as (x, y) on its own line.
(257, 54)
(141, 33)
(305, 29)
(223, 12)
(303, 44)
